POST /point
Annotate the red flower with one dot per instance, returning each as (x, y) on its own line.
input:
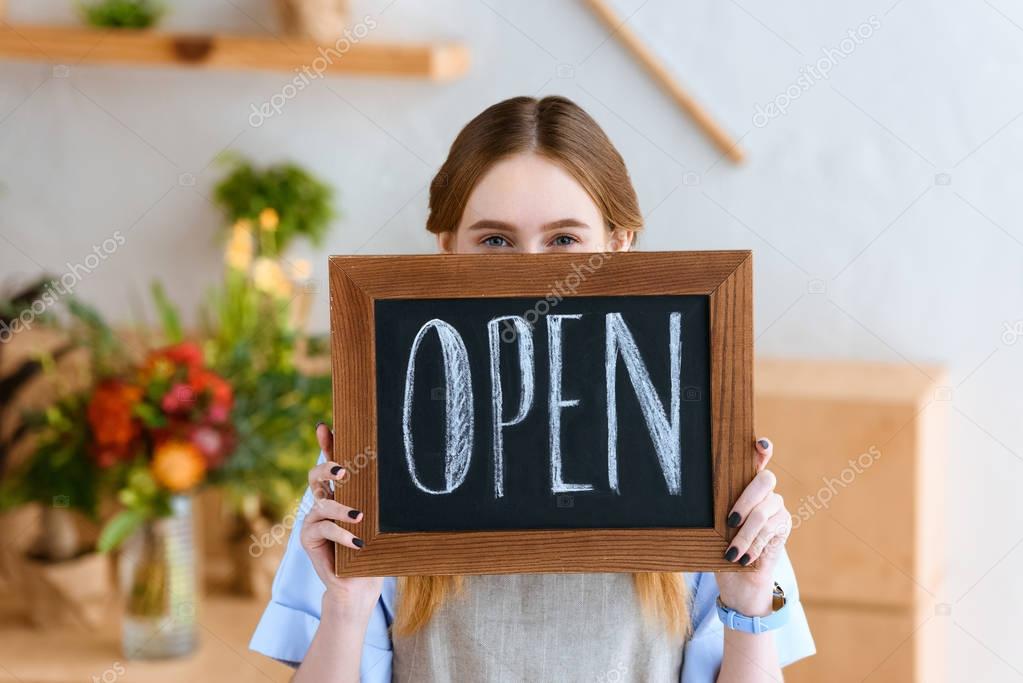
(185, 353)
(162, 363)
(219, 413)
(219, 391)
(113, 424)
(179, 399)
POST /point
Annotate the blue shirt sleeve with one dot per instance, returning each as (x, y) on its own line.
(704, 650)
(292, 616)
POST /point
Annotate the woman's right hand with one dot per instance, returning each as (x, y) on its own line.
(319, 533)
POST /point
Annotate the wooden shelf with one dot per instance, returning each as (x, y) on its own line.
(74, 45)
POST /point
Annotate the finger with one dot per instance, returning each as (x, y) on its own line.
(332, 510)
(324, 473)
(765, 450)
(771, 537)
(325, 437)
(756, 491)
(326, 529)
(755, 521)
(317, 540)
(321, 554)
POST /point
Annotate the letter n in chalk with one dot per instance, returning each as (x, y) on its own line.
(664, 431)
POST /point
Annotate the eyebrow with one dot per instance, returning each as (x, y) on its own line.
(487, 224)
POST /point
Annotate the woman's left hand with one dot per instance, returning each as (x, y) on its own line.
(764, 526)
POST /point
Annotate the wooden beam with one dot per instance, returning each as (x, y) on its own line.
(620, 29)
(75, 45)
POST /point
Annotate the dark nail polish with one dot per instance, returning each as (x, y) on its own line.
(357, 542)
(732, 552)
(734, 519)
(744, 560)
(764, 443)
(335, 469)
(353, 513)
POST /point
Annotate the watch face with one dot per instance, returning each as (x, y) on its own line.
(778, 596)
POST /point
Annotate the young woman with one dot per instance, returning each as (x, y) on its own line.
(532, 176)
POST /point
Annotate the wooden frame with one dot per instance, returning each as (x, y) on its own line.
(357, 281)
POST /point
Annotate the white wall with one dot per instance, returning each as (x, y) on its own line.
(842, 189)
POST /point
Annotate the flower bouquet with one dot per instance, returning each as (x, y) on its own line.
(165, 427)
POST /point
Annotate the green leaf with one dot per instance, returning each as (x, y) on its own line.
(94, 334)
(149, 415)
(120, 527)
(168, 315)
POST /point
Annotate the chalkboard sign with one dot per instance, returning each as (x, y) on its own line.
(539, 413)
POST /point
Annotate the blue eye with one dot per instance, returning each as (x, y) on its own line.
(495, 241)
(564, 241)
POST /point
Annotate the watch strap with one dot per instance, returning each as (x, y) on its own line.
(737, 621)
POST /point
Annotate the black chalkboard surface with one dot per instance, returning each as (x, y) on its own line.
(507, 413)
(477, 453)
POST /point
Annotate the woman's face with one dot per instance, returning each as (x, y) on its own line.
(528, 204)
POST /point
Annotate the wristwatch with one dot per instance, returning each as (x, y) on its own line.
(737, 621)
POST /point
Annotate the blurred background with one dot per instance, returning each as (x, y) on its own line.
(168, 197)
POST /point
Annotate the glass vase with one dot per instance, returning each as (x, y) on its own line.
(159, 586)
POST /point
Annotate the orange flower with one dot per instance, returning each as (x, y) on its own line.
(178, 465)
(113, 425)
(269, 219)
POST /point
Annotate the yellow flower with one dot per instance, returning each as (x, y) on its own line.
(301, 269)
(238, 254)
(269, 277)
(160, 368)
(265, 273)
(178, 465)
(268, 219)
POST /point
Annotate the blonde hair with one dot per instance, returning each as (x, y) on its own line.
(560, 130)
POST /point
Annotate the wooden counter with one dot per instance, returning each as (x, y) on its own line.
(71, 655)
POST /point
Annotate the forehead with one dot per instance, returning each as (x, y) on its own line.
(526, 190)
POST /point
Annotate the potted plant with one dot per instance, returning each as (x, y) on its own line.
(254, 326)
(59, 573)
(122, 14)
(275, 205)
